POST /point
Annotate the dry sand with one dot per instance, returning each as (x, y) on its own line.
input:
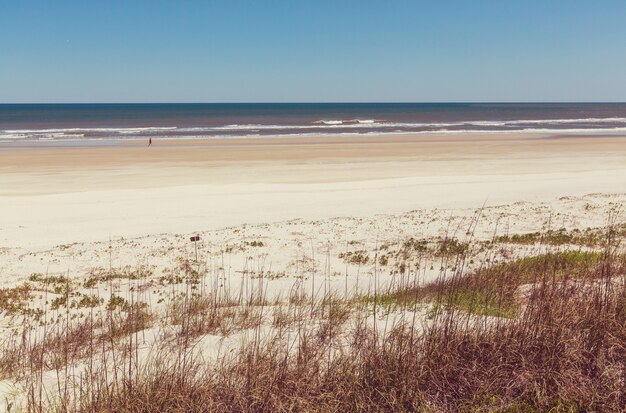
(54, 195)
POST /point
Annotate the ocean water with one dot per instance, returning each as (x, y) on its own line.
(85, 122)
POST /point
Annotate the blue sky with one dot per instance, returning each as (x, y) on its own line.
(318, 51)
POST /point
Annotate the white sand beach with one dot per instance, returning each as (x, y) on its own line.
(58, 195)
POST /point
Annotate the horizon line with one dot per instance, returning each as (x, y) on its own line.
(322, 102)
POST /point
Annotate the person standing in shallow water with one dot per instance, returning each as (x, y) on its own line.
(149, 141)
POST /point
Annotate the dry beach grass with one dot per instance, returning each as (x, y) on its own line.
(464, 321)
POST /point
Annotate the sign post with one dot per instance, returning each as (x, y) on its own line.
(195, 240)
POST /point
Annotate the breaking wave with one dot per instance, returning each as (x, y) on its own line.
(591, 125)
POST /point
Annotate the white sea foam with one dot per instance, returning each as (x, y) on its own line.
(151, 129)
(561, 121)
(335, 127)
(70, 130)
(538, 131)
(335, 122)
(12, 136)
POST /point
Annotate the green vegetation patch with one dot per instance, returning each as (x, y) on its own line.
(557, 265)
(492, 291)
(359, 257)
(14, 301)
(590, 237)
(451, 246)
(99, 274)
(480, 301)
(48, 279)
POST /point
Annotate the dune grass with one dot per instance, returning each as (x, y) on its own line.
(565, 352)
(539, 333)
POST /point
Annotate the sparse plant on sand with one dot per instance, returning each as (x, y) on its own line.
(541, 332)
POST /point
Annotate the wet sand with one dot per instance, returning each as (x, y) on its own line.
(56, 169)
